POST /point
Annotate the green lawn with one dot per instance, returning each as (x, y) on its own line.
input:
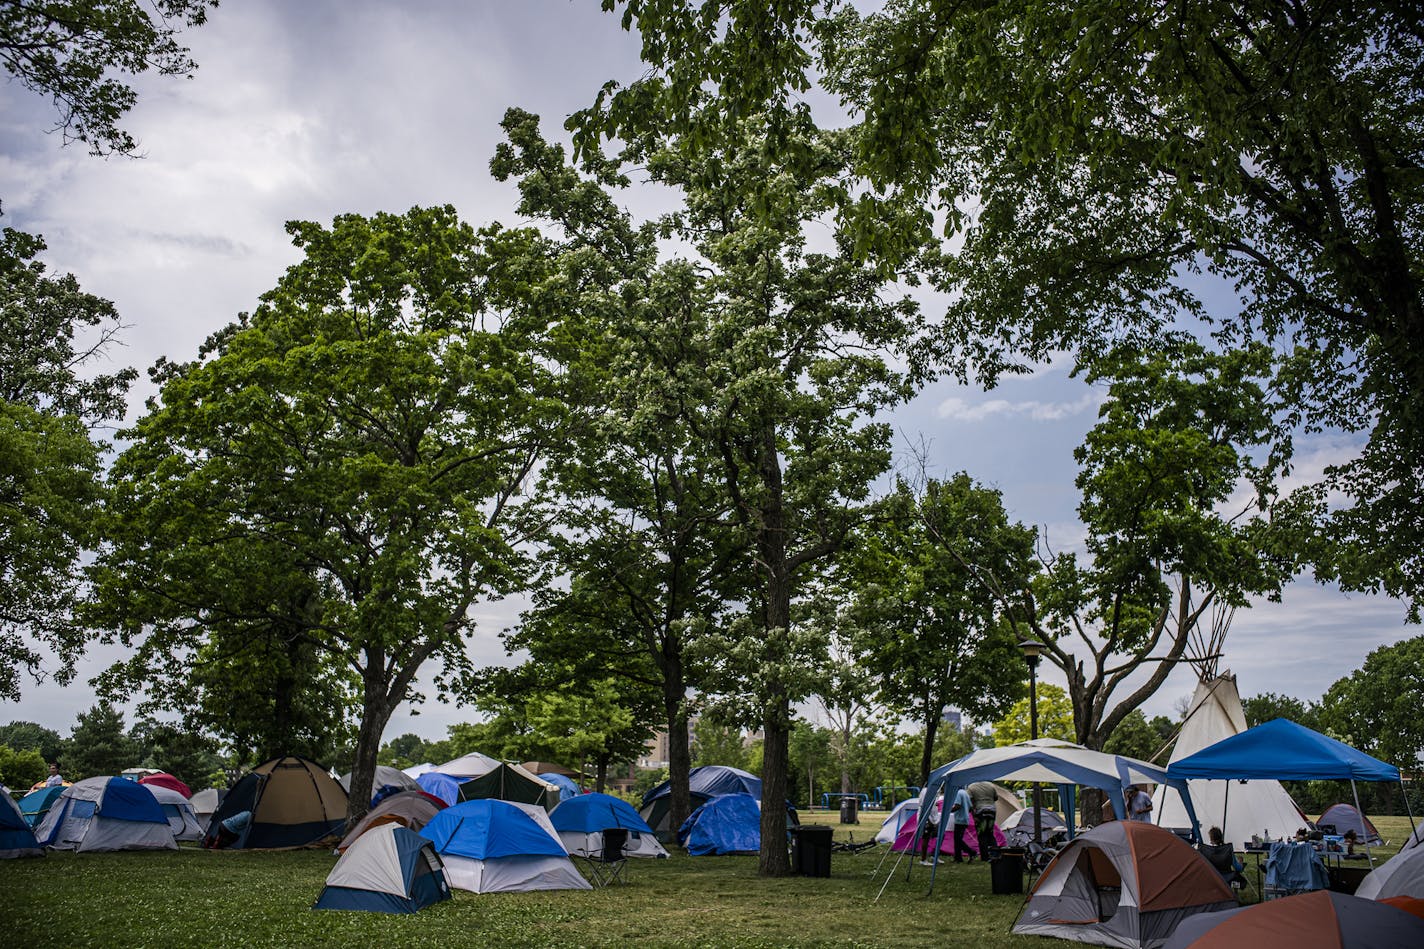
(200, 898)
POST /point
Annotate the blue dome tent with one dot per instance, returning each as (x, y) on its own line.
(704, 783)
(16, 837)
(727, 824)
(582, 820)
(389, 869)
(106, 813)
(492, 846)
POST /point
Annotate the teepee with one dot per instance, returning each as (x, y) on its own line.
(1240, 809)
(1261, 808)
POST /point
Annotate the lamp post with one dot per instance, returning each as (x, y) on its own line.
(1032, 649)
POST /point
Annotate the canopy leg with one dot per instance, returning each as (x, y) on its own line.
(1356, 791)
(1413, 828)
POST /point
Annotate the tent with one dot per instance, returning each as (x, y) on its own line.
(385, 778)
(440, 785)
(411, 809)
(164, 780)
(392, 869)
(567, 787)
(1321, 919)
(581, 821)
(17, 839)
(1285, 751)
(905, 812)
(179, 811)
(704, 783)
(416, 770)
(1018, 829)
(106, 813)
(1401, 875)
(1260, 807)
(1123, 883)
(1051, 761)
(471, 765)
(205, 802)
(544, 768)
(510, 782)
(726, 824)
(1344, 817)
(905, 837)
(491, 846)
(294, 802)
(35, 805)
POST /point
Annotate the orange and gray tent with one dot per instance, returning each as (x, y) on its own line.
(293, 802)
(1123, 883)
(1320, 919)
(410, 809)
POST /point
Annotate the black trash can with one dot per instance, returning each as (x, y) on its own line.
(1007, 872)
(850, 810)
(811, 850)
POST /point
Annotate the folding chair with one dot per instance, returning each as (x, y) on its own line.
(606, 865)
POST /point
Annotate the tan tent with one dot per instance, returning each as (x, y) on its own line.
(292, 802)
(1126, 884)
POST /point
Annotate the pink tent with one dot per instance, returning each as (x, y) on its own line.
(906, 838)
(166, 781)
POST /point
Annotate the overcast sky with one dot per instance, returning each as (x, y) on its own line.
(312, 109)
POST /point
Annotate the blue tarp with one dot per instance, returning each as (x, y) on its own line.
(440, 785)
(1284, 751)
(727, 824)
(16, 837)
(567, 788)
(711, 781)
(486, 828)
(591, 813)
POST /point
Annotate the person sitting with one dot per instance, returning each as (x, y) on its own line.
(1222, 856)
(1350, 840)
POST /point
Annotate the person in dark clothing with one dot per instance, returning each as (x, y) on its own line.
(985, 798)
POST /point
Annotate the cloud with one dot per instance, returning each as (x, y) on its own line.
(961, 410)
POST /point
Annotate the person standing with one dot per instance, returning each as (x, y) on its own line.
(959, 813)
(929, 831)
(1139, 804)
(985, 798)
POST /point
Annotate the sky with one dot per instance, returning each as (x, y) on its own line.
(309, 110)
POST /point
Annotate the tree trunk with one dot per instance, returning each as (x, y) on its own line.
(772, 860)
(375, 713)
(679, 750)
(602, 776)
(927, 755)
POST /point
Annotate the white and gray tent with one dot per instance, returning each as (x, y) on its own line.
(907, 811)
(385, 776)
(1239, 808)
(1400, 875)
(182, 819)
(106, 813)
(491, 846)
(204, 803)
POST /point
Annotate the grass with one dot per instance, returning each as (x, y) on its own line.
(201, 898)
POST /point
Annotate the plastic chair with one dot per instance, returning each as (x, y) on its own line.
(606, 865)
(1223, 858)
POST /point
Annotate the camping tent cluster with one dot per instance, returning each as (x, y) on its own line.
(715, 826)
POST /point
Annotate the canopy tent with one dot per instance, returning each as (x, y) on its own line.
(510, 782)
(293, 802)
(704, 783)
(726, 824)
(1050, 761)
(17, 839)
(165, 780)
(182, 820)
(1323, 918)
(106, 813)
(582, 820)
(1123, 883)
(1400, 875)
(496, 846)
(412, 809)
(385, 782)
(390, 870)
(35, 805)
(1256, 807)
(1284, 751)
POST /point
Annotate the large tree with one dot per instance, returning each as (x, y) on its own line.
(1377, 707)
(342, 467)
(70, 50)
(51, 334)
(1091, 161)
(933, 634)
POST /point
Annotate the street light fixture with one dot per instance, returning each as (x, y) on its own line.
(1032, 650)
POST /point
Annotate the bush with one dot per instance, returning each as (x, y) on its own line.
(20, 769)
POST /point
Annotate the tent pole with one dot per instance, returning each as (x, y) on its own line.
(1224, 798)
(1358, 810)
(889, 875)
(1413, 828)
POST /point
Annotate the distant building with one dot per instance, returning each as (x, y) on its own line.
(954, 719)
(655, 751)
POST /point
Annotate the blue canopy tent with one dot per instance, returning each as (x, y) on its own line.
(1050, 761)
(1284, 751)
